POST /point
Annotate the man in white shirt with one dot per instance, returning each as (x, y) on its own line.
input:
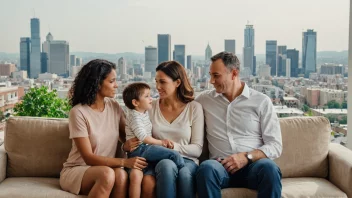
(243, 134)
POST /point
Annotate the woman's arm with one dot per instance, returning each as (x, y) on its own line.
(122, 124)
(79, 134)
(194, 149)
(85, 149)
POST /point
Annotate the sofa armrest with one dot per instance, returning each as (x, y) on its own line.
(3, 163)
(340, 167)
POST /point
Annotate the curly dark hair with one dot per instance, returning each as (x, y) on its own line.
(86, 84)
(175, 71)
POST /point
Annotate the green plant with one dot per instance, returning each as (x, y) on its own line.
(344, 105)
(305, 108)
(333, 105)
(343, 120)
(40, 102)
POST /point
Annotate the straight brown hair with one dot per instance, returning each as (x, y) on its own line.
(176, 71)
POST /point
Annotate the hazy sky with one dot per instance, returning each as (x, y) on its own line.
(113, 26)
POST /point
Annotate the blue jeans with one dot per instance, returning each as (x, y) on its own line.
(155, 153)
(263, 175)
(169, 178)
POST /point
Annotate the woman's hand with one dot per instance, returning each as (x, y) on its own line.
(136, 163)
(131, 144)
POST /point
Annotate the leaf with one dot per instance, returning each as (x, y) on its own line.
(41, 102)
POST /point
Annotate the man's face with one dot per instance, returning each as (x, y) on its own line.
(220, 76)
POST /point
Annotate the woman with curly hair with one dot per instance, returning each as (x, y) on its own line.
(96, 123)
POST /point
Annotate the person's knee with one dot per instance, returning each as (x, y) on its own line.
(185, 174)
(121, 176)
(269, 169)
(107, 177)
(136, 176)
(166, 166)
(208, 168)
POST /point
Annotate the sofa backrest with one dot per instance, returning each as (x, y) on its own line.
(36, 147)
(305, 147)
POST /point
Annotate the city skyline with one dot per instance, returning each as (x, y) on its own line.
(129, 26)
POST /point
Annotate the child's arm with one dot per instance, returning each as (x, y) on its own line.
(140, 132)
(151, 140)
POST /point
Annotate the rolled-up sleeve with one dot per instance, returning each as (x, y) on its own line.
(271, 131)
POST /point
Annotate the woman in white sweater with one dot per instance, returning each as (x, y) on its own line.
(177, 117)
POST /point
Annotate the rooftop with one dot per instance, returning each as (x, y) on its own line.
(331, 111)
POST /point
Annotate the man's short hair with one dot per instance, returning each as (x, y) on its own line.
(133, 91)
(229, 59)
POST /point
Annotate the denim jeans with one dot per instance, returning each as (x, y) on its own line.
(155, 153)
(263, 175)
(171, 182)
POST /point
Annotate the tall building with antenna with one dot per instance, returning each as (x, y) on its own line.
(35, 61)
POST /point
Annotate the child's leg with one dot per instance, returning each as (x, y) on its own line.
(155, 153)
(136, 177)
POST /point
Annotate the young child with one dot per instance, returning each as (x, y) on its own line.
(136, 97)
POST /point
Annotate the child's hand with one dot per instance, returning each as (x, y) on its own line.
(164, 143)
(167, 144)
(131, 144)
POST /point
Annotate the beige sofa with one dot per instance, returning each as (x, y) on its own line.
(35, 149)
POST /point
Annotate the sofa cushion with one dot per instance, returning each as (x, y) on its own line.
(33, 187)
(305, 147)
(3, 162)
(294, 188)
(36, 147)
(310, 187)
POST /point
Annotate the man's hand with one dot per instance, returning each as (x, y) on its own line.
(234, 162)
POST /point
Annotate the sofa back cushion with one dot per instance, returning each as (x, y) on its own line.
(305, 147)
(37, 147)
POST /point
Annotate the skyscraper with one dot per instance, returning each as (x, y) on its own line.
(281, 60)
(44, 62)
(151, 59)
(46, 49)
(59, 58)
(189, 62)
(73, 60)
(271, 56)
(79, 61)
(180, 54)
(25, 54)
(309, 52)
(35, 60)
(208, 53)
(121, 64)
(248, 51)
(282, 49)
(230, 46)
(72, 64)
(164, 47)
(293, 55)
